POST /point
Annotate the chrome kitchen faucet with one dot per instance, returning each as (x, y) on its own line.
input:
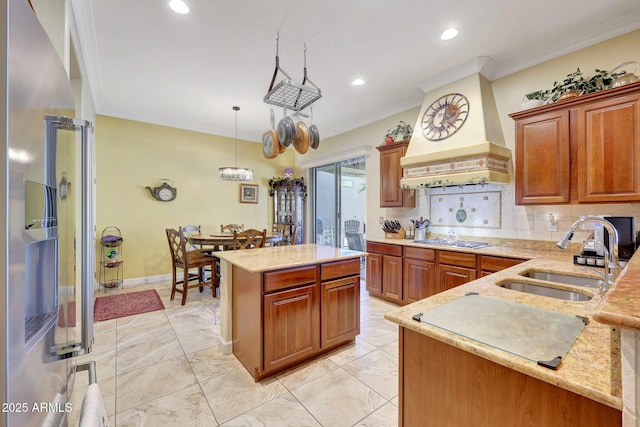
(613, 262)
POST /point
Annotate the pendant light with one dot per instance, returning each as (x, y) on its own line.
(235, 173)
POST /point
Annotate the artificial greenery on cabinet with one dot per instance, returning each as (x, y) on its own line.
(575, 84)
(288, 181)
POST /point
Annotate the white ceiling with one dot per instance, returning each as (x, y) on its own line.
(147, 63)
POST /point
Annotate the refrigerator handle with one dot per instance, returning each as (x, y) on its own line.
(83, 346)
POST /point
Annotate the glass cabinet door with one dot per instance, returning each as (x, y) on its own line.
(288, 209)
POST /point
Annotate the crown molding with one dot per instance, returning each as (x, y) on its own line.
(85, 24)
(482, 64)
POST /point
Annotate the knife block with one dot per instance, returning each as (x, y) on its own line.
(401, 234)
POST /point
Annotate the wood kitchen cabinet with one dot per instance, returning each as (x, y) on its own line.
(291, 326)
(455, 269)
(419, 274)
(384, 271)
(542, 158)
(284, 317)
(391, 194)
(609, 150)
(582, 150)
(374, 273)
(340, 302)
(405, 274)
(441, 385)
(490, 264)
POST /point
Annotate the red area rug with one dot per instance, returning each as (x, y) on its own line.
(114, 306)
(122, 305)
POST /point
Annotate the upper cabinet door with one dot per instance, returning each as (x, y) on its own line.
(542, 158)
(609, 150)
(391, 195)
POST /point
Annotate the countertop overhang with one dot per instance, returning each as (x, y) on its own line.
(276, 257)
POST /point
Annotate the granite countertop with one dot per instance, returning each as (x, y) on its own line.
(620, 306)
(513, 248)
(587, 367)
(277, 257)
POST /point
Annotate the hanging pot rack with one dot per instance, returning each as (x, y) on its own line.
(287, 93)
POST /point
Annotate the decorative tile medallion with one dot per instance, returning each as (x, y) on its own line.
(478, 210)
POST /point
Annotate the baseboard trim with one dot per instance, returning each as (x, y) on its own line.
(139, 281)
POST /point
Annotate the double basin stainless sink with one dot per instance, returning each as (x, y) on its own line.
(548, 290)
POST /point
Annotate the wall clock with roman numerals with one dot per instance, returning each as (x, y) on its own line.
(445, 116)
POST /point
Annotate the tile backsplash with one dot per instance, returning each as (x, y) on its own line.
(466, 210)
(496, 214)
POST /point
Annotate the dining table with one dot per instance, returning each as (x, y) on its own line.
(224, 240)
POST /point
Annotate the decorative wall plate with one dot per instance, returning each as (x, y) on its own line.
(445, 116)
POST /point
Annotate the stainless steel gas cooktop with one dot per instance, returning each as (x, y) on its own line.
(453, 243)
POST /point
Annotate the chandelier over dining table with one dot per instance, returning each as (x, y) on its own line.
(229, 173)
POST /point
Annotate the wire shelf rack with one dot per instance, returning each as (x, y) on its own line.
(287, 93)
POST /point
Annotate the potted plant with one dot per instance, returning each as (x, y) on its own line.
(535, 99)
(401, 132)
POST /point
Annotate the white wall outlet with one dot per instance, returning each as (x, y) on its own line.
(381, 220)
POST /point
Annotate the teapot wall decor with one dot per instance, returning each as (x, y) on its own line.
(164, 192)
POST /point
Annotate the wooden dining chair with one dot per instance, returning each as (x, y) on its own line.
(189, 260)
(189, 230)
(231, 227)
(249, 239)
(293, 238)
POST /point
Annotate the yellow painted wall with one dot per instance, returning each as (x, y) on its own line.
(132, 155)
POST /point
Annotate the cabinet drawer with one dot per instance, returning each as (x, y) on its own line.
(288, 278)
(493, 263)
(457, 258)
(385, 249)
(422, 254)
(336, 269)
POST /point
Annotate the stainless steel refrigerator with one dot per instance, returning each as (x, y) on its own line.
(47, 252)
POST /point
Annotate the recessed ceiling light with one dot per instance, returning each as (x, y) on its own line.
(178, 6)
(357, 82)
(448, 34)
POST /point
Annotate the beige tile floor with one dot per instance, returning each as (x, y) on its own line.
(164, 369)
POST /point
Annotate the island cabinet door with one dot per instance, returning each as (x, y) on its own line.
(291, 326)
(340, 311)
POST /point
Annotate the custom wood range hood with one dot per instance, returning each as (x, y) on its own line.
(457, 139)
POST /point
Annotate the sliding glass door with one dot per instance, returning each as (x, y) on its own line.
(339, 202)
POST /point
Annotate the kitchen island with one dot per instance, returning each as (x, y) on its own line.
(449, 379)
(283, 305)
